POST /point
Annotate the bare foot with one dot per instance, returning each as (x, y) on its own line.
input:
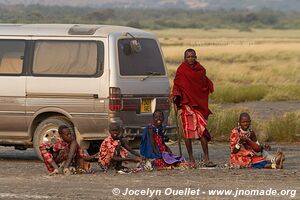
(192, 165)
(279, 158)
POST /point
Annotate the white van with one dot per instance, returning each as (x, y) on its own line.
(81, 75)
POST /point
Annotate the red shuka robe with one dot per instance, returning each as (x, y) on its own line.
(193, 86)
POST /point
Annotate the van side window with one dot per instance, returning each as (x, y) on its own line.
(68, 58)
(11, 57)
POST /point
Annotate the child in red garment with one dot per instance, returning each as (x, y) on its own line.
(154, 147)
(246, 150)
(64, 154)
(114, 150)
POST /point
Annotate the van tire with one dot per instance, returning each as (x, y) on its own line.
(49, 126)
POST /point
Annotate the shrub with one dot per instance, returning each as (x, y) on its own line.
(284, 128)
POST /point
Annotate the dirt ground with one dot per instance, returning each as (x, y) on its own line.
(23, 176)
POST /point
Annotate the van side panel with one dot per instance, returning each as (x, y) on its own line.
(12, 108)
(82, 97)
(79, 106)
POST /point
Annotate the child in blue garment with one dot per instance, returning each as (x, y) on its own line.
(154, 147)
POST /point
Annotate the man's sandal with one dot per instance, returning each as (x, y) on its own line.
(209, 164)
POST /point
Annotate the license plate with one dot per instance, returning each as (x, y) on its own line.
(146, 106)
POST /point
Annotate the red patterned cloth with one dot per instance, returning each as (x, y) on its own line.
(193, 122)
(246, 156)
(193, 86)
(58, 151)
(160, 163)
(108, 150)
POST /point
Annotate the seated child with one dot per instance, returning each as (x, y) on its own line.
(245, 150)
(64, 154)
(154, 147)
(114, 150)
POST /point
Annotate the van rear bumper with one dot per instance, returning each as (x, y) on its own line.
(132, 132)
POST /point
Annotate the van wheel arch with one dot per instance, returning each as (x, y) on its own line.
(47, 129)
(40, 118)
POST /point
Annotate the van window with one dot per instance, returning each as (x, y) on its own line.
(67, 58)
(147, 61)
(11, 57)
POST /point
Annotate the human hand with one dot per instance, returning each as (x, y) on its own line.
(97, 155)
(243, 139)
(168, 150)
(55, 171)
(118, 148)
(138, 159)
(176, 101)
(267, 147)
(61, 168)
(66, 171)
(143, 158)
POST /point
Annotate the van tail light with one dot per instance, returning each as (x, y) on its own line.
(115, 100)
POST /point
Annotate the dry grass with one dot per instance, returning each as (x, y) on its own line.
(284, 128)
(233, 59)
(245, 66)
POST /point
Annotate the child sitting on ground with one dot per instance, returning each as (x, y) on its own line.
(246, 150)
(154, 147)
(114, 150)
(64, 155)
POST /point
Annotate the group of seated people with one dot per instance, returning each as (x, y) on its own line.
(64, 156)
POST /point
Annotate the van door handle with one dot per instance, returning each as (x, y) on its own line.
(95, 96)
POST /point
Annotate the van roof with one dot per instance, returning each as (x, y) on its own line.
(65, 30)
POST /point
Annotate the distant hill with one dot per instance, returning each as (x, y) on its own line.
(244, 18)
(283, 5)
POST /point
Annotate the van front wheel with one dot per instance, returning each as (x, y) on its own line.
(47, 131)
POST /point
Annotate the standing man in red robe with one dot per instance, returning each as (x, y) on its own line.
(190, 94)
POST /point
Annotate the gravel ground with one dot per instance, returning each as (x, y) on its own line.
(23, 176)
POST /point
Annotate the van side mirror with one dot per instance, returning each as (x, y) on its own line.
(135, 46)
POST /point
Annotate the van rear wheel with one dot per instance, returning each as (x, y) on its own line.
(47, 131)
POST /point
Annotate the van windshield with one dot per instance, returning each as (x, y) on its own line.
(147, 61)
